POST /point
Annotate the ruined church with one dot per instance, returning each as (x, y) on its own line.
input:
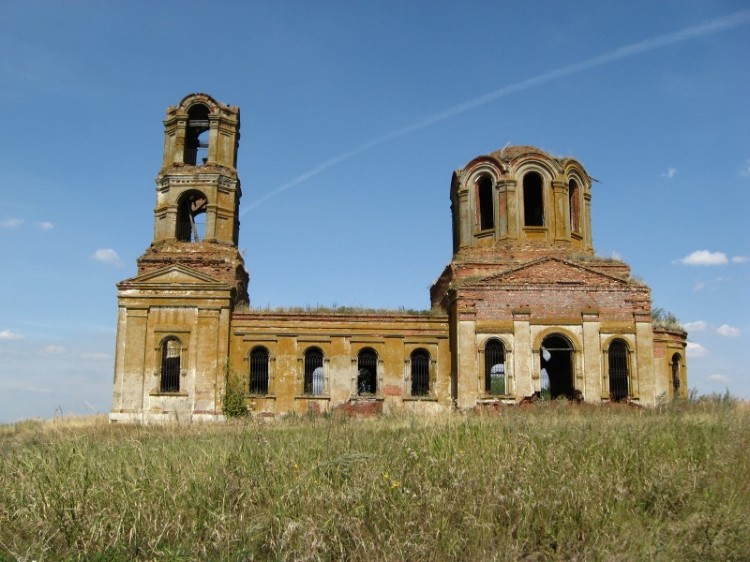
(525, 308)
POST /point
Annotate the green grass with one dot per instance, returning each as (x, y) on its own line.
(555, 481)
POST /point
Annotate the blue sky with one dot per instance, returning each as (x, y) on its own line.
(354, 116)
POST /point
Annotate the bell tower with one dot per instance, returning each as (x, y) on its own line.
(174, 316)
(196, 217)
(198, 191)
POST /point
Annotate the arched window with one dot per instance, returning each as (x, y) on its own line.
(676, 364)
(367, 372)
(259, 371)
(574, 205)
(191, 217)
(314, 374)
(420, 373)
(486, 207)
(618, 370)
(196, 136)
(533, 200)
(494, 368)
(556, 367)
(171, 352)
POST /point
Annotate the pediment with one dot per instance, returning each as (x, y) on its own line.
(176, 274)
(551, 271)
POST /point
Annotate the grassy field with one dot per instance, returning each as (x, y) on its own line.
(555, 481)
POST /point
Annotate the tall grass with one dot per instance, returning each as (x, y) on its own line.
(556, 481)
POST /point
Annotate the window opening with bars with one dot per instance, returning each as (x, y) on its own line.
(171, 350)
(494, 368)
(314, 375)
(618, 370)
(259, 371)
(420, 373)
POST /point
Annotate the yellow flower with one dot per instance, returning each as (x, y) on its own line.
(395, 484)
(386, 476)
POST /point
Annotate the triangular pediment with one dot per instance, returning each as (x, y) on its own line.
(551, 271)
(176, 274)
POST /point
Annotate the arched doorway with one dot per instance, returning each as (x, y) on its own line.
(556, 361)
(367, 372)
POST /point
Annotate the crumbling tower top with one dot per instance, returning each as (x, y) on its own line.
(521, 201)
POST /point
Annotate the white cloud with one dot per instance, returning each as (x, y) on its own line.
(669, 173)
(697, 326)
(616, 255)
(7, 335)
(716, 377)
(54, 349)
(106, 255)
(695, 350)
(728, 331)
(740, 259)
(11, 223)
(94, 356)
(704, 257)
(45, 225)
(746, 169)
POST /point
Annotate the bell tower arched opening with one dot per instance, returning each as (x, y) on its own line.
(191, 217)
(196, 136)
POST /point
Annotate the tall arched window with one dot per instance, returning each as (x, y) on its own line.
(533, 200)
(420, 372)
(259, 371)
(556, 367)
(618, 370)
(574, 205)
(314, 374)
(171, 355)
(196, 136)
(494, 368)
(367, 372)
(676, 364)
(486, 206)
(191, 216)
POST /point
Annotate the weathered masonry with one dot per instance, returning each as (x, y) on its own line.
(524, 309)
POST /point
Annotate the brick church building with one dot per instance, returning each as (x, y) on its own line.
(524, 309)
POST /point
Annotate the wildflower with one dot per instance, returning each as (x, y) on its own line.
(395, 484)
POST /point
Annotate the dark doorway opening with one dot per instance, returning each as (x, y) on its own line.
(557, 368)
(367, 372)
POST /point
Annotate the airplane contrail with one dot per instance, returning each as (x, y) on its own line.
(706, 28)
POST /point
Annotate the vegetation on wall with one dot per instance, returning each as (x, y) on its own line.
(665, 320)
(554, 481)
(234, 403)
